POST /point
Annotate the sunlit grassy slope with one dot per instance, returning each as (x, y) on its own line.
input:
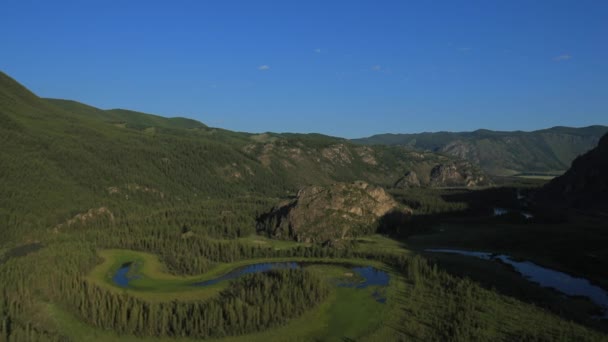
(60, 158)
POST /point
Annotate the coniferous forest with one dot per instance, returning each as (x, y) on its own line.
(88, 193)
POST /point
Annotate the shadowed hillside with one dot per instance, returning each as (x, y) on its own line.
(585, 185)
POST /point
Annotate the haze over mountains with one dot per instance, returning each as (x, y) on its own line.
(547, 151)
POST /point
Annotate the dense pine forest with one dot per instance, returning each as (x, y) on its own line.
(86, 191)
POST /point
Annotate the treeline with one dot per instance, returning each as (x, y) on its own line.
(443, 307)
(219, 218)
(251, 303)
(438, 305)
(463, 202)
(224, 219)
(14, 323)
(427, 201)
(195, 254)
(16, 331)
(28, 282)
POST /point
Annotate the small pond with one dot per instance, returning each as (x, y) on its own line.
(546, 277)
(371, 277)
(500, 211)
(367, 275)
(124, 274)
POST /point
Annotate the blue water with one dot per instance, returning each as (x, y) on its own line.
(122, 276)
(500, 211)
(546, 277)
(370, 276)
(480, 255)
(503, 211)
(255, 268)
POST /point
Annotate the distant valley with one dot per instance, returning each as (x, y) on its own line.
(543, 152)
(120, 225)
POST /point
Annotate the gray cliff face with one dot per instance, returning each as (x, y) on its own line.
(456, 174)
(331, 213)
(450, 174)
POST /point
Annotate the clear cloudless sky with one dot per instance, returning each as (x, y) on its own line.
(344, 68)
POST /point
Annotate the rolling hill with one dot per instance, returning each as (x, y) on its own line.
(64, 161)
(89, 193)
(548, 151)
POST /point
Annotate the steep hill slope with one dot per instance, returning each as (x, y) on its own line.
(584, 185)
(504, 153)
(127, 118)
(62, 161)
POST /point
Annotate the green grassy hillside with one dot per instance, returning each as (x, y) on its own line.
(62, 158)
(548, 151)
(86, 191)
(126, 118)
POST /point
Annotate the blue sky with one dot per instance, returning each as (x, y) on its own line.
(344, 68)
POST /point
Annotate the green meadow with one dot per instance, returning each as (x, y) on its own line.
(86, 190)
(423, 303)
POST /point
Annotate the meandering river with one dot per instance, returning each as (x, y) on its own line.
(367, 276)
(546, 277)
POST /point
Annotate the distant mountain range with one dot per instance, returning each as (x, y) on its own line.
(548, 151)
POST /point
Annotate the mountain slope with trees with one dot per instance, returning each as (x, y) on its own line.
(547, 151)
(64, 163)
(77, 181)
(585, 185)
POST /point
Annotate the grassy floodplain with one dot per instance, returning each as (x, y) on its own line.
(347, 312)
(421, 305)
(155, 283)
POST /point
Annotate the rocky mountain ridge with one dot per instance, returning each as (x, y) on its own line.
(451, 174)
(547, 151)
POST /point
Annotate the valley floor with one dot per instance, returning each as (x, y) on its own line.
(423, 304)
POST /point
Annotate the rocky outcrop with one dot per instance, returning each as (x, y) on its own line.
(85, 218)
(338, 153)
(449, 174)
(461, 150)
(325, 214)
(367, 155)
(456, 174)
